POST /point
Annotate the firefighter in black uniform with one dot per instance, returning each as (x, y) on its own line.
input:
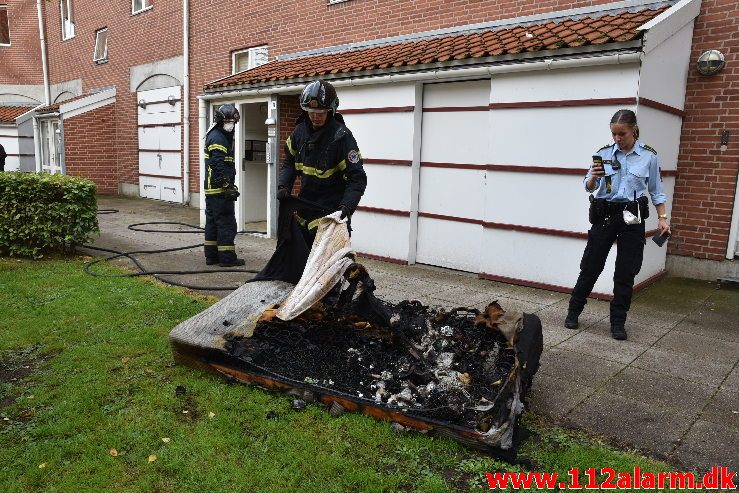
(323, 152)
(220, 189)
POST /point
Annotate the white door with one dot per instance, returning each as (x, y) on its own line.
(160, 143)
(51, 147)
(454, 152)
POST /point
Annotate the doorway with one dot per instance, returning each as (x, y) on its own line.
(254, 170)
(51, 147)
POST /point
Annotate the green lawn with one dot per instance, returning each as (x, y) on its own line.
(88, 404)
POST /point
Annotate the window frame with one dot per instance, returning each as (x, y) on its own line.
(4, 6)
(104, 58)
(251, 53)
(144, 9)
(70, 15)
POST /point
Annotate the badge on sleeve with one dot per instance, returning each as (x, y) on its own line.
(354, 156)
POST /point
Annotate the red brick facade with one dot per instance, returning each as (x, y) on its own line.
(707, 180)
(289, 112)
(20, 63)
(89, 149)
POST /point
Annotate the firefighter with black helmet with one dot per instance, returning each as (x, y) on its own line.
(323, 152)
(220, 189)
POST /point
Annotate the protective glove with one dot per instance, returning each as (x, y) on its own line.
(230, 192)
(282, 193)
(345, 211)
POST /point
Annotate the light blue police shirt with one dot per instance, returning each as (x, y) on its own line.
(639, 172)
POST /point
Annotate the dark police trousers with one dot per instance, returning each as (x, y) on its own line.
(220, 228)
(629, 255)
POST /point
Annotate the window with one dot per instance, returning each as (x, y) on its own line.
(140, 5)
(67, 19)
(246, 59)
(4, 25)
(101, 46)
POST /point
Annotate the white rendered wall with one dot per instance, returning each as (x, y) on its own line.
(378, 234)
(9, 140)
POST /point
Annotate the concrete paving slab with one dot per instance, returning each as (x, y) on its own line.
(597, 345)
(732, 381)
(555, 397)
(664, 390)
(552, 318)
(676, 295)
(705, 371)
(571, 366)
(718, 326)
(723, 409)
(465, 296)
(644, 426)
(639, 333)
(707, 445)
(538, 296)
(700, 346)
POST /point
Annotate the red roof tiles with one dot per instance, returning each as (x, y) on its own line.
(8, 114)
(619, 27)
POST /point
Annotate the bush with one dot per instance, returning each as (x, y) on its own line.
(42, 213)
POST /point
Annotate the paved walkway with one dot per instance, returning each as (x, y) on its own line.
(671, 390)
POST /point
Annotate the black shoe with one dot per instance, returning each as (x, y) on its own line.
(571, 321)
(233, 263)
(211, 261)
(618, 332)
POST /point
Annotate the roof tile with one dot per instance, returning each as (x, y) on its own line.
(551, 35)
(8, 114)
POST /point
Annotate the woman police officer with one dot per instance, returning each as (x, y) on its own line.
(619, 180)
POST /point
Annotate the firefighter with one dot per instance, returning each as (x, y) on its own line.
(220, 189)
(621, 176)
(323, 152)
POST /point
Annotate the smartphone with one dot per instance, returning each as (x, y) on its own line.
(598, 162)
(660, 239)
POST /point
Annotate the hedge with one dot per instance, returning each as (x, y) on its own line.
(42, 213)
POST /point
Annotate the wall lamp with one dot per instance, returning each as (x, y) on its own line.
(710, 62)
(172, 100)
(142, 104)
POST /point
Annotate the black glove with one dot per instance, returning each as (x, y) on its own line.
(345, 211)
(230, 192)
(282, 193)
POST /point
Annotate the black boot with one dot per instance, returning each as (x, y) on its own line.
(233, 263)
(571, 320)
(618, 332)
(211, 261)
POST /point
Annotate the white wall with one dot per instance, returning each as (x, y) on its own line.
(9, 140)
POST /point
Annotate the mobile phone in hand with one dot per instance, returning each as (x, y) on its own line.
(660, 239)
(598, 166)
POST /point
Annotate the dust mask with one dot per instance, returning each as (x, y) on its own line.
(229, 127)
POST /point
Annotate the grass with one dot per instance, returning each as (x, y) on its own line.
(88, 369)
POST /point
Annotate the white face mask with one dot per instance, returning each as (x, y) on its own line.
(229, 127)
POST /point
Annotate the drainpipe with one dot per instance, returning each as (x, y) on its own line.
(202, 128)
(186, 101)
(42, 40)
(37, 143)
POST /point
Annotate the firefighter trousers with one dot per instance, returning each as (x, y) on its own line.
(220, 229)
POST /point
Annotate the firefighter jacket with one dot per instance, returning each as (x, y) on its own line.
(328, 162)
(220, 168)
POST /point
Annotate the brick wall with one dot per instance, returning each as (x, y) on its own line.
(20, 63)
(90, 147)
(289, 112)
(707, 180)
(149, 36)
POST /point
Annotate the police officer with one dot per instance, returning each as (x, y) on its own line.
(220, 189)
(628, 170)
(323, 152)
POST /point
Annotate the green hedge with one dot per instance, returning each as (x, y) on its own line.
(42, 213)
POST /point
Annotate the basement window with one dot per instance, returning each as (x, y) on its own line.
(247, 59)
(140, 5)
(101, 46)
(4, 26)
(67, 19)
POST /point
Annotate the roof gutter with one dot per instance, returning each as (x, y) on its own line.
(442, 74)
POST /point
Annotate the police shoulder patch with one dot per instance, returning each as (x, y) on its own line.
(354, 156)
(605, 147)
(649, 148)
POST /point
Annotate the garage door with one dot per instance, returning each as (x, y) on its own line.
(454, 152)
(160, 143)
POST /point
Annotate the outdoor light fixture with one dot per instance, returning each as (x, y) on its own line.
(171, 100)
(142, 104)
(711, 62)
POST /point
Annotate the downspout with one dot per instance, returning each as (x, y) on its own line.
(37, 143)
(186, 101)
(202, 128)
(42, 40)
